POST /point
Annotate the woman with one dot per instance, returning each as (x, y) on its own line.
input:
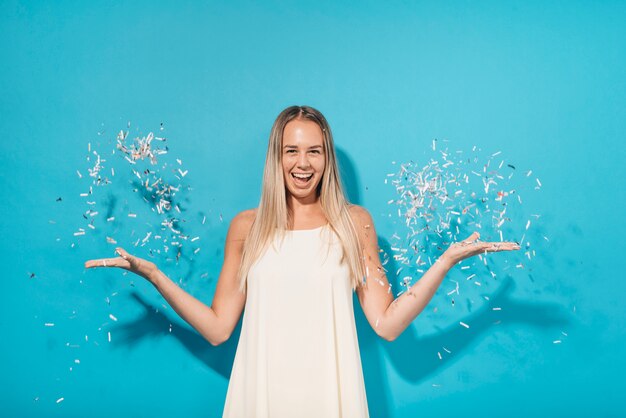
(293, 263)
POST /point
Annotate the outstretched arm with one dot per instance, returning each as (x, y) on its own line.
(389, 317)
(217, 322)
(214, 323)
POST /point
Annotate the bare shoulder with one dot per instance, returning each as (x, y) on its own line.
(242, 223)
(360, 215)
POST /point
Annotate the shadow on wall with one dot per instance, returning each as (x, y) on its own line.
(415, 357)
(422, 351)
(155, 324)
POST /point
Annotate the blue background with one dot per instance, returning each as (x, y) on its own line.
(541, 82)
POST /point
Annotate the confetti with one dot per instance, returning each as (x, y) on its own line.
(146, 160)
(446, 196)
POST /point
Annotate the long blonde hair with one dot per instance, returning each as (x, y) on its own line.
(273, 215)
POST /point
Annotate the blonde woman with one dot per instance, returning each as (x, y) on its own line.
(294, 262)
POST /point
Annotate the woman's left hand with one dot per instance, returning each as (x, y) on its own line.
(471, 247)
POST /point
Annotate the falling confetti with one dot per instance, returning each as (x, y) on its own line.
(146, 159)
(441, 199)
(449, 195)
(134, 194)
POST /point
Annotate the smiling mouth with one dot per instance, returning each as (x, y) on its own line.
(302, 178)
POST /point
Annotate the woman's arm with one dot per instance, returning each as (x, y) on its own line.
(215, 323)
(389, 317)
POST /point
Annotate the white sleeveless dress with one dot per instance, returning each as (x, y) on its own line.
(298, 353)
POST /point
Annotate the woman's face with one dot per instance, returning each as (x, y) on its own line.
(303, 157)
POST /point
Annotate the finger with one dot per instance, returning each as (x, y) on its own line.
(132, 261)
(500, 246)
(472, 238)
(106, 262)
(122, 253)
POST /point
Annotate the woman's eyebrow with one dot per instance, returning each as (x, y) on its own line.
(295, 146)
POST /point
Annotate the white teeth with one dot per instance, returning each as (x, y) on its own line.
(302, 176)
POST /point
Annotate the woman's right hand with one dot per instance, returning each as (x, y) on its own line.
(143, 268)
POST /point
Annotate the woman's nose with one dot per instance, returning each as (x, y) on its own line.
(303, 160)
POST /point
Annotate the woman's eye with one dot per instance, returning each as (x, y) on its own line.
(315, 151)
(289, 151)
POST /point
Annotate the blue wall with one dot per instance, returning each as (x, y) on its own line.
(542, 83)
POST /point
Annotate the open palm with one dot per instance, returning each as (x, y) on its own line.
(471, 247)
(125, 261)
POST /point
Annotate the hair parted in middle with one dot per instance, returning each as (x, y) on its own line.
(273, 215)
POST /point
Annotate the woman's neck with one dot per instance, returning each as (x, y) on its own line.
(305, 214)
